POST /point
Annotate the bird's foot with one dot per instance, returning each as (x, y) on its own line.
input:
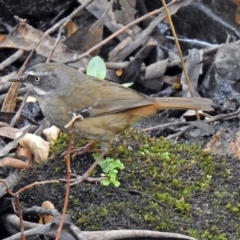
(85, 177)
(79, 151)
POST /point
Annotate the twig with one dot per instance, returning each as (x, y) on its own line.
(56, 42)
(35, 184)
(19, 111)
(20, 92)
(179, 53)
(184, 129)
(194, 41)
(58, 233)
(89, 179)
(165, 125)
(11, 59)
(116, 65)
(19, 210)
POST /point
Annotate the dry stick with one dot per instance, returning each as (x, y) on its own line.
(179, 52)
(19, 211)
(67, 187)
(57, 41)
(35, 184)
(18, 113)
(177, 135)
(11, 59)
(116, 65)
(21, 91)
(165, 125)
(155, 12)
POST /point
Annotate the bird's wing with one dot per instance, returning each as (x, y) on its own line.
(99, 97)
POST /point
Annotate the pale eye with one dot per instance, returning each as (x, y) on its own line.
(37, 79)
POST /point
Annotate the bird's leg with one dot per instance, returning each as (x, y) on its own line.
(87, 148)
(86, 175)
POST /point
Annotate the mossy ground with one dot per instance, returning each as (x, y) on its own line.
(184, 190)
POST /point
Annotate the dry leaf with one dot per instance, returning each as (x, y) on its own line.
(31, 99)
(119, 72)
(38, 146)
(25, 37)
(51, 133)
(127, 12)
(46, 218)
(24, 153)
(6, 149)
(98, 8)
(128, 45)
(71, 28)
(190, 113)
(156, 70)
(194, 68)
(95, 34)
(9, 132)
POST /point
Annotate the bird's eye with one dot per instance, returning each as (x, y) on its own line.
(37, 79)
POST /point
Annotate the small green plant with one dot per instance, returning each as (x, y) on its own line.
(110, 167)
(97, 68)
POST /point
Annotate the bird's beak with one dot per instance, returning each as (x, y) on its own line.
(19, 79)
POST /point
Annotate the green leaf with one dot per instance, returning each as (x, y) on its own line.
(116, 183)
(110, 168)
(105, 182)
(128, 84)
(97, 68)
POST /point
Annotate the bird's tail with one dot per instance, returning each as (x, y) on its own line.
(194, 103)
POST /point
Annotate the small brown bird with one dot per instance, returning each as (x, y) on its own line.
(105, 109)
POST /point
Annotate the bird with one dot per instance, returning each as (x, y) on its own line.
(101, 109)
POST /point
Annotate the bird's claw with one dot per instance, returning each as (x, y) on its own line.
(80, 178)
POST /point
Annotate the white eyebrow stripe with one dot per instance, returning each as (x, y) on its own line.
(38, 73)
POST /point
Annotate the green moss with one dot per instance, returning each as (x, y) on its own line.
(183, 190)
(60, 144)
